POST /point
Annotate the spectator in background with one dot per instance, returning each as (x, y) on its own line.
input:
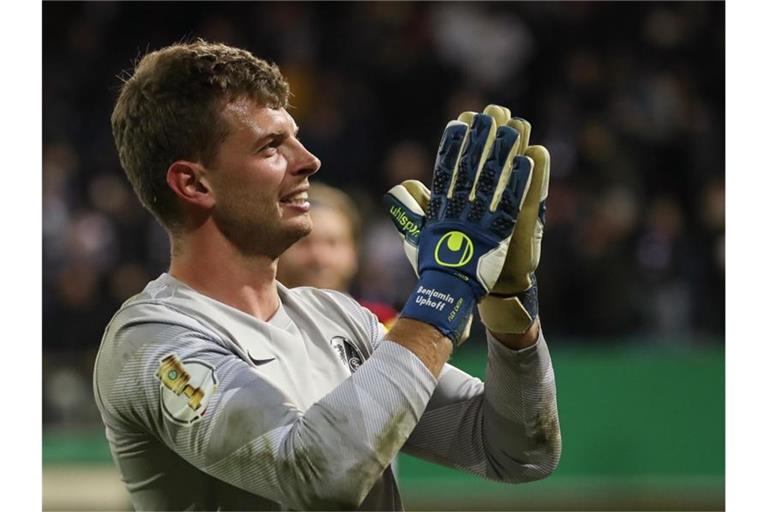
(328, 256)
(633, 117)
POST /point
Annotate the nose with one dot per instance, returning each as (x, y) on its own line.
(305, 163)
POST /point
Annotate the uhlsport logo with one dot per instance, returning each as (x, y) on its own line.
(454, 249)
(406, 225)
(185, 388)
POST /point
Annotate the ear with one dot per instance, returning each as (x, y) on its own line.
(188, 180)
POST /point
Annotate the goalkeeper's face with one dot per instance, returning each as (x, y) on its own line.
(260, 180)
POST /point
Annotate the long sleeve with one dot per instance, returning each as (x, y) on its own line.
(249, 433)
(505, 429)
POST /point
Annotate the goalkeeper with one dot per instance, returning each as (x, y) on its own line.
(222, 389)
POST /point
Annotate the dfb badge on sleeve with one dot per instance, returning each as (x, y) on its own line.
(185, 388)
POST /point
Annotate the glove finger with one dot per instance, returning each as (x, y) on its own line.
(508, 202)
(513, 185)
(467, 117)
(445, 165)
(477, 147)
(495, 173)
(500, 114)
(525, 244)
(524, 128)
(500, 150)
(419, 191)
(535, 204)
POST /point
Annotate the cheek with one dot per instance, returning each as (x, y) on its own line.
(244, 206)
(256, 176)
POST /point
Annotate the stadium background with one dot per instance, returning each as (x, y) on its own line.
(628, 97)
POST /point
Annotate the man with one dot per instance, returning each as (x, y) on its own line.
(222, 389)
(328, 256)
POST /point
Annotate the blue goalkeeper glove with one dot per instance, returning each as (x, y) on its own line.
(478, 187)
(512, 304)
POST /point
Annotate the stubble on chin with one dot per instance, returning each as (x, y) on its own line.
(289, 236)
(253, 236)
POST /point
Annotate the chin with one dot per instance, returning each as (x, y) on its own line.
(292, 234)
(301, 226)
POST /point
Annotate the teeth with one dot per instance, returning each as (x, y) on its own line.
(298, 198)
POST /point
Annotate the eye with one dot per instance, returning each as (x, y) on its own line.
(272, 145)
(269, 149)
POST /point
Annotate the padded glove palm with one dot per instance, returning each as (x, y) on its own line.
(512, 304)
(460, 243)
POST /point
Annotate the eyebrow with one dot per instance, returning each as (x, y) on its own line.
(267, 137)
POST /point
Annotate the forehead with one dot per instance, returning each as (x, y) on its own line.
(246, 115)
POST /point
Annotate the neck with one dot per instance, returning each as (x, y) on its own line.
(215, 268)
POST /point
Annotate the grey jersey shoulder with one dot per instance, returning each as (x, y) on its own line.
(168, 313)
(161, 304)
(161, 318)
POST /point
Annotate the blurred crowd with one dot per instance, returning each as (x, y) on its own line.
(628, 97)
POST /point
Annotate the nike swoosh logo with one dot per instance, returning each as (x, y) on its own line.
(259, 362)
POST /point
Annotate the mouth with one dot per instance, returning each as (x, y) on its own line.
(298, 199)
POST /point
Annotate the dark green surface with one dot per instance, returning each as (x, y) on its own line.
(629, 413)
(80, 447)
(640, 429)
(643, 421)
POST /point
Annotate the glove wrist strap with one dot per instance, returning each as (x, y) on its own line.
(511, 314)
(442, 300)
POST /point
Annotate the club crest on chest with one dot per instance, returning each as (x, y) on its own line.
(347, 352)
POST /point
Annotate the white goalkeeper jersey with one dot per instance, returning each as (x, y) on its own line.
(209, 408)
